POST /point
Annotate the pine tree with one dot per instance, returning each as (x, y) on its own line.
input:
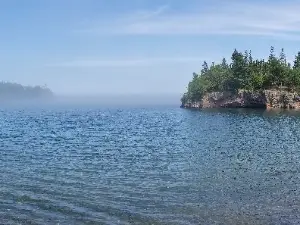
(295, 75)
(195, 76)
(250, 57)
(272, 54)
(204, 68)
(246, 57)
(274, 69)
(297, 61)
(224, 64)
(282, 57)
(238, 68)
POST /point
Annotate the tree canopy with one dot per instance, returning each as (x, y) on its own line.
(244, 72)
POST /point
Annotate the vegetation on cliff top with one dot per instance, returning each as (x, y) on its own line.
(244, 72)
(9, 91)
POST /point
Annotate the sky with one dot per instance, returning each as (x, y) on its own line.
(94, 47)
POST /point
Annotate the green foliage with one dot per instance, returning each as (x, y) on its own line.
(244, 72)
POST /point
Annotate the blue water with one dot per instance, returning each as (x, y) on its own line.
(152, 165)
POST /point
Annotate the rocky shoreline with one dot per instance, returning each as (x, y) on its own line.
(268, 99)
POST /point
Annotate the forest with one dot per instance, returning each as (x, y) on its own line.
(12, 91)
(245, 72)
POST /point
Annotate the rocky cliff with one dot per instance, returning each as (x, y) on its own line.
(248, 99)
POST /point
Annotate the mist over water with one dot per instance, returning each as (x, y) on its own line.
(148, 165)
(122, 100)
(107, 100)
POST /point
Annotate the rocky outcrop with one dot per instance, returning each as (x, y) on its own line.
(282, 99)
(216, 99)
(248, 99)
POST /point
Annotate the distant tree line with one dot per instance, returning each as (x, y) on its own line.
(245, 72)
(17, 91)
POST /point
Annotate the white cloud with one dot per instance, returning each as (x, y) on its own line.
(125, 62)
(264, 19)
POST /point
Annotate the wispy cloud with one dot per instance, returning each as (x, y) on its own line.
(124, 62)
(279, 19)
(145, 14)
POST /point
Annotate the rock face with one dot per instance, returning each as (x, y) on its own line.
(284, 99)
(248, 99)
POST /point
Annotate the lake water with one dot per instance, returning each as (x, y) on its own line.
(151, 165)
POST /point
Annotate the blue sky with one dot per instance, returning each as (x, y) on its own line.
(94, 47)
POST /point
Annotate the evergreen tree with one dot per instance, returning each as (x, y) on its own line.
(250, 57)
(297, 61)
(238, 69)
(246, 58)
(224, 64)
(295, 75)
(272, 54)
(274, 69)
(204, 68)
(282, 57)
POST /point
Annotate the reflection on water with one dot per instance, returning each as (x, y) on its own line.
(149, 166)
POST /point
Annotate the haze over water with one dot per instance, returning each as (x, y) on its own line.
(148, 165)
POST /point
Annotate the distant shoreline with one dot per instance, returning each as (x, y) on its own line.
(17, 92)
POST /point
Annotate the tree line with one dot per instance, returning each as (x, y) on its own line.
(245, 72)
(17, 91)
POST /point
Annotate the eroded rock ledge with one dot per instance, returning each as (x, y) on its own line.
(248, 99)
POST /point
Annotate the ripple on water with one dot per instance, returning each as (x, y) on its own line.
(149, 166)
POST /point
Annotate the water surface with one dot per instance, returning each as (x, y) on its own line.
(151, 165)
